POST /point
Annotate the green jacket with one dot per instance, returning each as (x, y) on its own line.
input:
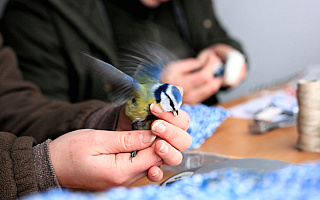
(49, 34)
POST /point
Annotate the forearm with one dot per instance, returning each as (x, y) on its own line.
(24, 111)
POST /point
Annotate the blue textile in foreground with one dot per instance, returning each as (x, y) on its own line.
(204, 120)
(293, 182)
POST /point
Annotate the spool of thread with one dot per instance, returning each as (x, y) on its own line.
(309, 115)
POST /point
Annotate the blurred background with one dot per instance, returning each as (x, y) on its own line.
(280, 38)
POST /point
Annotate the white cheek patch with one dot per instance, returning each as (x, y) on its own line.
(165, 102)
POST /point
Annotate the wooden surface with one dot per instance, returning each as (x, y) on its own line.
(232, 138)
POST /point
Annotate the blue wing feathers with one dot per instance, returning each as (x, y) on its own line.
(144, 61)
(148, 60)
(118, 85)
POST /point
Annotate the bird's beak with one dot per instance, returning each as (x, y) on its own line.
(175, 112)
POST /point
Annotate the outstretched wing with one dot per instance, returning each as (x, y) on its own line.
(148, 60)
(118, 85)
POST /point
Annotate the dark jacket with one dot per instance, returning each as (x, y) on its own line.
(49, 34)
(25, 112)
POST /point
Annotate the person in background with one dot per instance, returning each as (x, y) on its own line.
(48, 36)
(52, 144)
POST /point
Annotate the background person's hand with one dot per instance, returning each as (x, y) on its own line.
(196, 76)
(227, 55)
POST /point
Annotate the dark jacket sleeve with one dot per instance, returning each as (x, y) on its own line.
(25, 112)
(17, 173)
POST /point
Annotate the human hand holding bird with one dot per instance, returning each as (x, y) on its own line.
(140, 91)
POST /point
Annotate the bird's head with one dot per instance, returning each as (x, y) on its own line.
(169, 97)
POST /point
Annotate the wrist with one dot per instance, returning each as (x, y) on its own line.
(45, 174)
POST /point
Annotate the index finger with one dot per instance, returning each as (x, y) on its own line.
(124, 141)
(182, 119)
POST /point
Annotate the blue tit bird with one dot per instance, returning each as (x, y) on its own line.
(139, 91)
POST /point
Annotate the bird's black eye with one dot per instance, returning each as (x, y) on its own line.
(134, 101)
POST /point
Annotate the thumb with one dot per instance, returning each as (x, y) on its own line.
(127, 141)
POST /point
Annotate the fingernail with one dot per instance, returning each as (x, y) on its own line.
(156, 174)
(156, 109)
(146, 137)
(163, 149)
(158, 127)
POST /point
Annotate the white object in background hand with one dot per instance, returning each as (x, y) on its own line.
(234, 62)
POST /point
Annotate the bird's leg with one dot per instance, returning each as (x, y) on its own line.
(138, 124)
(141, 124)
(133, 154)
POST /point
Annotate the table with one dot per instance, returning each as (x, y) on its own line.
(233, 138)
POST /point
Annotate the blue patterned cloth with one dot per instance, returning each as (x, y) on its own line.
(293, 182)
(204, 120)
